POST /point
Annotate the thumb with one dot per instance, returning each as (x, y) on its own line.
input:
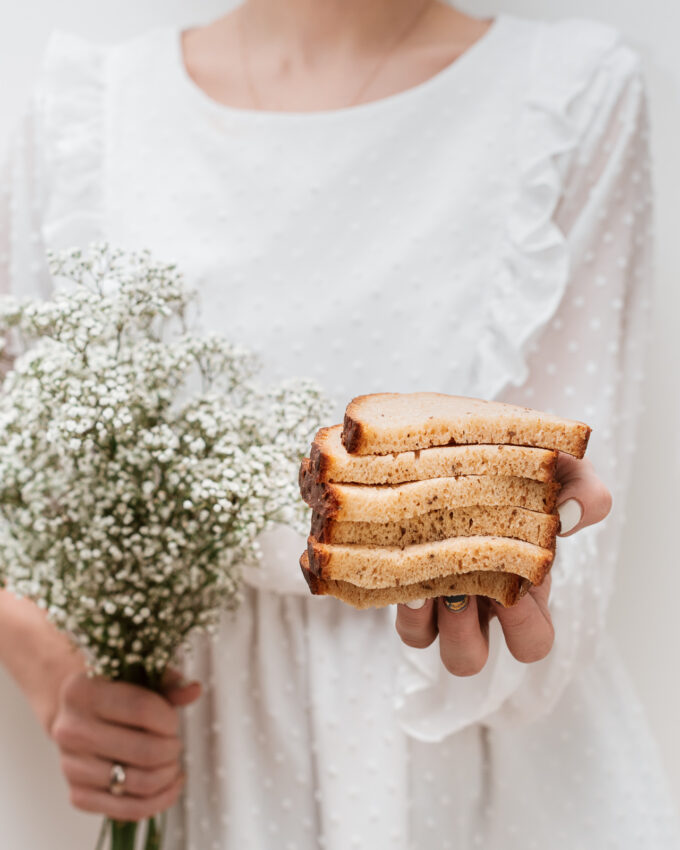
(584, 499)
(178, 691)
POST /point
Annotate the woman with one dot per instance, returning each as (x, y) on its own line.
(380, 195)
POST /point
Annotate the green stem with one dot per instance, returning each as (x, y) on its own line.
(123, 834)
(153, 835)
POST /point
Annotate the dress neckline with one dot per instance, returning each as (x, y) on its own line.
(450, 72)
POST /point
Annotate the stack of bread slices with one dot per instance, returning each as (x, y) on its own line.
(422, 495)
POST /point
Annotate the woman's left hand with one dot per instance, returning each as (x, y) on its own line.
(464, 634)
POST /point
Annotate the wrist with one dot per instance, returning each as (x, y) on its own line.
(36, 655)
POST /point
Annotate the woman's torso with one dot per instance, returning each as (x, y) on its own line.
(360, 247)
(404, 244)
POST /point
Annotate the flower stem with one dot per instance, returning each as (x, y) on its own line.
(153, 835)
(123, 834)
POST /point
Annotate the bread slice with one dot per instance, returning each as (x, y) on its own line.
(499, 521)
(332, 462)
(503, 587)
(394, 502)
(398, 422)
(389, 566)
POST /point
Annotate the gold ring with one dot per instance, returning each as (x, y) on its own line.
(456, 603)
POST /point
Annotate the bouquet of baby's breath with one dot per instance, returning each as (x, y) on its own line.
(138, 464)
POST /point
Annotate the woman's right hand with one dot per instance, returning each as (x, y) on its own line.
(99, 723)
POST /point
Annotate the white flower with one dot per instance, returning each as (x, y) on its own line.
(138, 461)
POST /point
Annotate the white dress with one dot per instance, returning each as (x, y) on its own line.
(484, 233)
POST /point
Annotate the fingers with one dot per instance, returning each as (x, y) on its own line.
(463, 643)
(177, 691)
(173, 678)
(94, 773)
(527, 626)
(131, 705)
(125, 808)
(417, 627)
(181, 697)
(99, 723)
(464, 633)
(115, 743)
(584, 499)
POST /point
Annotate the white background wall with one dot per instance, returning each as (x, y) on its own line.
(644, 616)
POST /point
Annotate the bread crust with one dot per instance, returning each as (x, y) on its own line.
(455, 420)
(320, 461)
(393, 502)
(505, 588)
(330, 461)
(423, 507)
(502, 521)
(379, 567)
(352, 432)
(315, 493)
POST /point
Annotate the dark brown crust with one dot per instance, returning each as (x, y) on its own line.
(316, 494)
(317, 558)
(322, 527)
(319, 460)
(352, 437)
(315, 584)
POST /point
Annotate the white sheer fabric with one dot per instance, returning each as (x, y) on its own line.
(485, 233)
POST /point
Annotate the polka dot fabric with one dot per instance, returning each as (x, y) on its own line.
(484, 233)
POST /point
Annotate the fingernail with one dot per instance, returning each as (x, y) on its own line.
(416, 603)
(570, 513)
(456, 603)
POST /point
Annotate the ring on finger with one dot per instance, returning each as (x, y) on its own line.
(117, 780)
(456, 603)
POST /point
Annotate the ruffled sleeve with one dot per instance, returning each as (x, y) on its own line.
(579, 251)
(23, 268)
(535, 270)
(72, 102)
(51, 179)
